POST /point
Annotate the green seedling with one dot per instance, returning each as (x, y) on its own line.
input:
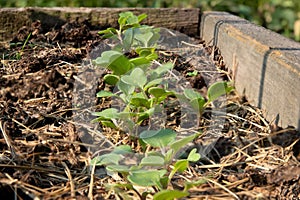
(141, 94)
(19, 53)
(193, 73)
(143, 90)
(216, 90)
(151, 171)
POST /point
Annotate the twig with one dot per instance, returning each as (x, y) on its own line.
(222, 187)
(90, 194)
(67, 170)
(7, 140)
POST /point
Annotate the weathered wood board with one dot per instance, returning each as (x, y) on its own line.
(266, 65)
(12, 19)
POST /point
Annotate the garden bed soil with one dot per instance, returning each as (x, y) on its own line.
(41, 149)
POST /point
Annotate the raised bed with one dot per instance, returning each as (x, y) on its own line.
(266, 66)
(44, 152)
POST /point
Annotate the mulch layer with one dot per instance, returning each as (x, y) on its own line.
(46, 142)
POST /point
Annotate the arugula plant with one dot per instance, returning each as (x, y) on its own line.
(143, 90)
(141, 94)
(151, 169)
(132, 37)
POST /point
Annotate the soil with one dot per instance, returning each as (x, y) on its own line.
(46, 142)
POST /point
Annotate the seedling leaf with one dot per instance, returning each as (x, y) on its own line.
(122, 149)
(111, 79)
(140, 62)
(141, 17)
(177, 145)
(106, 159)
(104, 93)
(146, 178)
(159, 71)
(193, 156)
(110, 113)
(191, 94)
(160, 138)
(127, 89)
(140, 102)
(152, 161)
(218, 89)
(114, 61)
(179, 166)
(170, 195)
(136, 78)
(153, 83)
(118, 168)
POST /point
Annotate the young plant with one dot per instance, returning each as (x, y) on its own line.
(143, 91)
(151, 171)
(139, 40)
(141, 94)
(216, 90)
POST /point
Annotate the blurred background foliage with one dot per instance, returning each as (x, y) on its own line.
(282, 16)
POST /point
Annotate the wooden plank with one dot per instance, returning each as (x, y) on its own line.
(266, 64)
(12, 19)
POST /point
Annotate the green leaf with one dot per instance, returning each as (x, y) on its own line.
(142, 116)
(218, 89)
(106, 159)
(194, 73)
(118, 168)
(144, 51)
(140, 62)
(170, 195)
(114, 61)
(153, 83)
(128, 39)
(127, 18)
(109, 113)
(122, 149)
(141, 17)
(136, 78)
(177, 145)
(160, 138)
(108, 33)
(161, 70)
(191, 94)
(127, 89)
(189, 185)
(152, 161)
(169, 155)
(107, 123)
(146, 36)
(111, 79)
(157, 91)
(104, 93)
(180, 166)
(193, 156)
(146, 178)
(140, 102)
(198, 104)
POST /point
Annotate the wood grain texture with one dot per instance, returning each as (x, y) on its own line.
(12, 19)
(268, 64)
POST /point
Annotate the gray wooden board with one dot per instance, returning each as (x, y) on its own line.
(266, 64)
